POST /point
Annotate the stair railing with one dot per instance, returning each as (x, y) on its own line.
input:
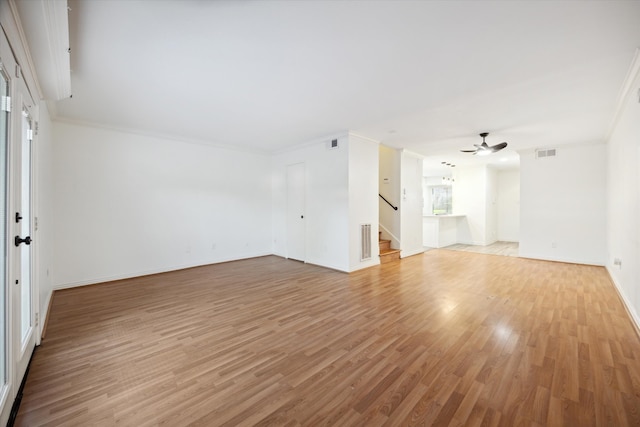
(395, 208)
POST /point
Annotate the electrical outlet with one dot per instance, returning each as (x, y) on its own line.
(554, 245)
(618, 262)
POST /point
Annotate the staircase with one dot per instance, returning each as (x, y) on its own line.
(387, 254)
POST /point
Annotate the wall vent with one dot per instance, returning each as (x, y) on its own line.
(547, 152)
(332, 144)
(365, 242)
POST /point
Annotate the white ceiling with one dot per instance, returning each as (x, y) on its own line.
(427, 76)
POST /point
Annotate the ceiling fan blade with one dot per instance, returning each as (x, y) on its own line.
(484, 148)
(498, 147)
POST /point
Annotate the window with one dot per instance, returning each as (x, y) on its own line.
(441, 200)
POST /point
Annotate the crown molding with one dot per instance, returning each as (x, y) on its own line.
(12, 26)
(159, 135)
(311, 142)
(366, 138)
(625, 91)
(412, 153)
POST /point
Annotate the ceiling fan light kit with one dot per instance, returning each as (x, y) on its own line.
(484, 149)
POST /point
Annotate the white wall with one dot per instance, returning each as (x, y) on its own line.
(327, 202)
(43, 239)
(389, 187)
(563, 199)
(363, 199)
(509, 205)
(411, 205)
(127, 205)
(341, 193)
(469, 194)
(434, 180)
(491, 200)
(623, 198)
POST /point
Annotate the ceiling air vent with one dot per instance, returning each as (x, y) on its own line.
(548, 152)
(332, 144)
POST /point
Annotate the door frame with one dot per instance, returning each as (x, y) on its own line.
(7, 392)
(22, 99)
(17, 355)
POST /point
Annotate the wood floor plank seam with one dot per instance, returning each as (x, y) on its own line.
(442, 338)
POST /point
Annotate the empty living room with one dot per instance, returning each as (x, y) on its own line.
(239, 213)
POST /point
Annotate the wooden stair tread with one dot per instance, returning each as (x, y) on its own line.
(388, 255)
(384, 245)
(389, 251)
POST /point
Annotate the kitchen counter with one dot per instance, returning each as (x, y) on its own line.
(439, 231)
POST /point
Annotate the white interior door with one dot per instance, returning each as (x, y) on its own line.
(296, 211)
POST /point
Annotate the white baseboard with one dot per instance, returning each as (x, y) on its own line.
(44, 316)
(627, 304)
(543, 257)
(132, 275)
(405, 254)
(365, 264)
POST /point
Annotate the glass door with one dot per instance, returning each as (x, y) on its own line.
(4, 142)
(7, 313)
(21, 244)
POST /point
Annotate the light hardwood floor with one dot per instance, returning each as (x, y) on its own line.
(443, 338)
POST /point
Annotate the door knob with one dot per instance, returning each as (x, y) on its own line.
(18, 240)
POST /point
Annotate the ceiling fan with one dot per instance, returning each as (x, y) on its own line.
(484, 149)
